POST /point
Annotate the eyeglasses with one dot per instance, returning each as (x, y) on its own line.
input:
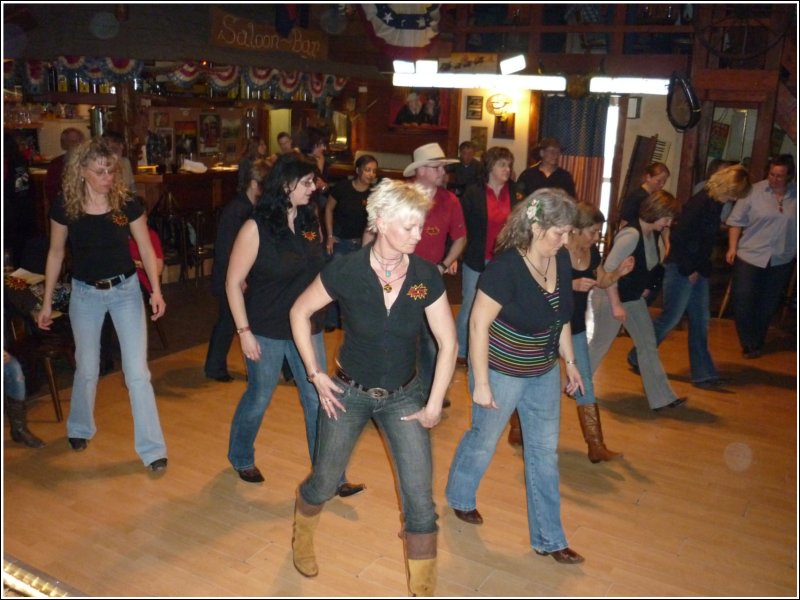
(101, 172)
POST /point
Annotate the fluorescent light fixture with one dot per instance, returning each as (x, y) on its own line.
(629, 85)
(512, 65)
(403, 66)
(427, 67)
(545, 83)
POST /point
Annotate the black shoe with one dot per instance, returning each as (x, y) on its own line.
(708, 384)
(251, 475)
(473, 517)
(222, 378)
(446, 403)
(77, 444)
(158, 465)
(346, 490)
(674, 404)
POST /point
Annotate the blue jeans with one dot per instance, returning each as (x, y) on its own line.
(262, 379)
(87, 311)
(538, 402)
(680, 296)
(469, 286)
(14, 380)
(580, 346)
(409, 445)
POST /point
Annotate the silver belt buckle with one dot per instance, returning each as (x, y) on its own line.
(378, 393)
(103, 284)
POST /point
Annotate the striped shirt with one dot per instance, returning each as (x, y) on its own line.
(518, 354)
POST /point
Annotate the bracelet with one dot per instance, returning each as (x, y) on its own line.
(570, 362)
(310, 378)
(441, 264)
(241, 330)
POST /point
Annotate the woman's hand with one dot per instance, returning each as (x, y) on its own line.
(158, 305)
(329, 244)
(618, 312)
(694, 277)
(427, 417)
(482, 396)
(45, 317)
(574, 381)
(250, 346)
(328, 393)
(730, 256)
(583, 284)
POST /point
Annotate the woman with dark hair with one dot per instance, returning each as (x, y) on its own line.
(653, 180)
(277, 252)
(587, 276)
(486, 207)
(376, 376)
(626, 301)
(520, 324)
(687, 270)
(97, 213)
(762, 247)
(346, 218)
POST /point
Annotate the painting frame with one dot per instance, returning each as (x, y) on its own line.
(419, 109)
(474, 109)
(504, 127)
(209, 133)
(480, 137)
(185, 138)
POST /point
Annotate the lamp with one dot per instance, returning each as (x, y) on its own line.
(513, 64)
(427, 67)
(628, 85)
(403, 66)
(545, 83)
(498, 104)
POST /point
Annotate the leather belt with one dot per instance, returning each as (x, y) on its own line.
(107, 284)
(375, 392)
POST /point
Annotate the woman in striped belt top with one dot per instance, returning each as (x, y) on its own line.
(519, 326)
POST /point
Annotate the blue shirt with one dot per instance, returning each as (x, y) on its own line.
(769, 236)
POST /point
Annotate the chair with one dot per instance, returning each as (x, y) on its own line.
(34, 346)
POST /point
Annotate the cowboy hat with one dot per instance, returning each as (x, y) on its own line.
(429, 155)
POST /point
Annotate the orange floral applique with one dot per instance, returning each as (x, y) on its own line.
(310, 235)
(418, 291)
(432, 230)
(119, 218)
(15, 283)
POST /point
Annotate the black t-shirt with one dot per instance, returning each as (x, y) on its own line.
(629, 211)
(533, 179)
(99, 243)
(284, 267)
(380, 346)
(581, 299)
(350, 213)
(508, 282)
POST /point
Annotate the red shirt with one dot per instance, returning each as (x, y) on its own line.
(134, 248)
(444, 218)
(497, 211)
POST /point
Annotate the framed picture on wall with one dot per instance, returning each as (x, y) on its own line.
(185, 138)
(479, 136)
(209, 127)
(167, 135)
(420, 109)
(474, 108)
(504, 127)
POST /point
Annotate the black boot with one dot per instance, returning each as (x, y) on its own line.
(19, 425)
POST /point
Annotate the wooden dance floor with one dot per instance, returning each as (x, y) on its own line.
(703, 504)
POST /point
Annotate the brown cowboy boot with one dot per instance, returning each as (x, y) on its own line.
(17, 412)
(306, 518)
(589, 417)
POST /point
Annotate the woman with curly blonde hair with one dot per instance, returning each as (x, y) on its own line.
(98, 214)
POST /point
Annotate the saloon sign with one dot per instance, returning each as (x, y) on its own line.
(230, 31)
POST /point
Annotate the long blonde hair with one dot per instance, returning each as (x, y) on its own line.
(74, 186)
